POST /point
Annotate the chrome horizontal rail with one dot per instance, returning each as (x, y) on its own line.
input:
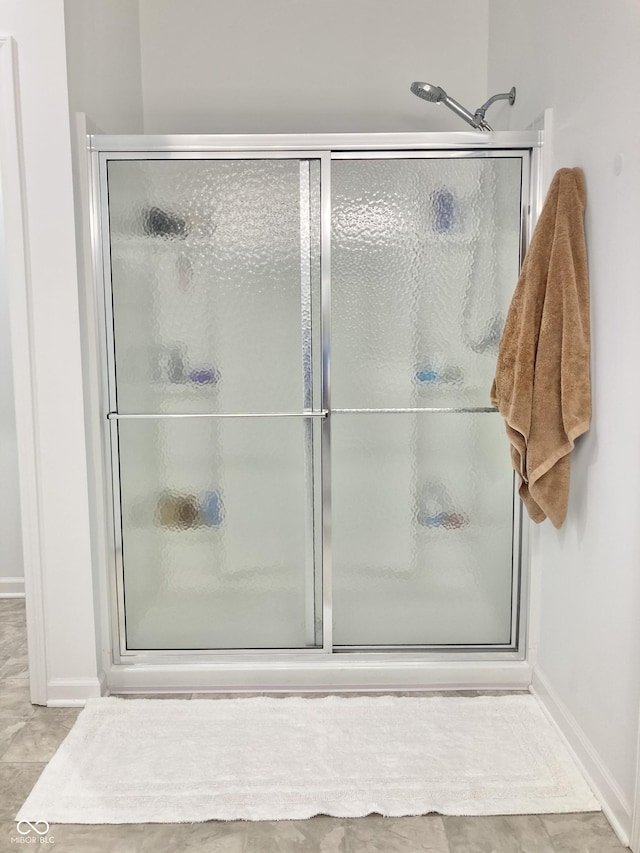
(116, 416)
(454, 410)
(245, 144)
(420, 647)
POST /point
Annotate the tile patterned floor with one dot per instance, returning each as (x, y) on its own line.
(29, 736)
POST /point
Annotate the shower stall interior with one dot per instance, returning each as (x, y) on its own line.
(299, 339)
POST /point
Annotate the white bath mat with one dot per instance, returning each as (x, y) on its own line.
(172, 761)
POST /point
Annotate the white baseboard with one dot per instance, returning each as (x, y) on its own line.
(615, 805)
(73, 693)
(11, 587)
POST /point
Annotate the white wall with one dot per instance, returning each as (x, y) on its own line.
(103, 62)
(11, 571)
(581, 58)
(308, 65)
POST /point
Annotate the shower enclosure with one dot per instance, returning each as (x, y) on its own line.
(300, 335)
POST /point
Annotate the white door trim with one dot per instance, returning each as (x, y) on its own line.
(13, 214)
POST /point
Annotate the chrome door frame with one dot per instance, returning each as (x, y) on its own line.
(105, 300)
(322, 147)
(519, 540)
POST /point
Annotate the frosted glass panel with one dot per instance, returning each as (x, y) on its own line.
(215, 272)
(217, 546)
(425, 257)
(422, 527)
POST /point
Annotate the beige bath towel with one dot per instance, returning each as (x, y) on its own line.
(542, 386)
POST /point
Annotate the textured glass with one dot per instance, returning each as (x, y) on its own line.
(422, 529)
(425, 256)
(216, 541)
(215, 271)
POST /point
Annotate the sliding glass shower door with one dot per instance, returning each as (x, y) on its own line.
(213, 306)
(300, 351)
(425, 256)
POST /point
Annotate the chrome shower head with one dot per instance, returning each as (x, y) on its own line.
(438, 96)
(428, 92)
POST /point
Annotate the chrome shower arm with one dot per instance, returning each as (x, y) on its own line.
(503, 96)
(437, 95)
